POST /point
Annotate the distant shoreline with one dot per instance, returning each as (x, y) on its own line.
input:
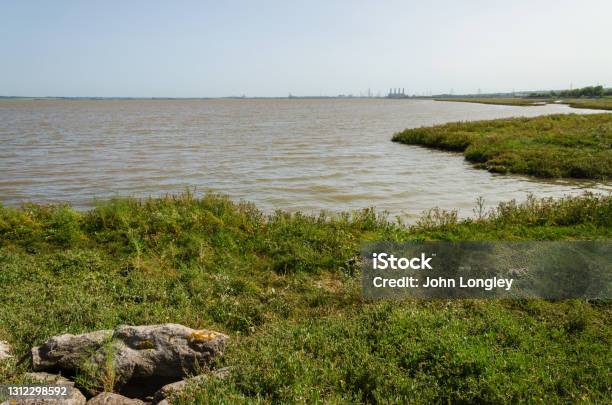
(588, 103)
(208, 98)
(578, 96)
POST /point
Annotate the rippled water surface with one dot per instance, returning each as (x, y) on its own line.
(293, 154)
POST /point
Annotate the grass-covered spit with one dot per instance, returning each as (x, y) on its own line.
(564, 145)
(285, 288)
(604, 103)
(601, 103)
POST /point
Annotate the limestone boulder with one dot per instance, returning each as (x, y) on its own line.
(169, 350)
(142, 358)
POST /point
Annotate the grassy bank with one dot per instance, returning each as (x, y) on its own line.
(570, 145)
(592, 103)
(285, 288)
(603, 103)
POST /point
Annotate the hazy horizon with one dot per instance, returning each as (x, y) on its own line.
(192, 49)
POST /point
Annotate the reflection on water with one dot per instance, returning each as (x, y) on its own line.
(294, 154)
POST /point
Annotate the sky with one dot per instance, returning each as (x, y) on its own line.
(272, 48)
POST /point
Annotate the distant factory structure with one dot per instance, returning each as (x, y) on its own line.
(397, 93)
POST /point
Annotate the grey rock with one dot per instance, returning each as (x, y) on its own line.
(75, 398)
(5, 350)
(109, 398)
(169, 389)
(147, 356)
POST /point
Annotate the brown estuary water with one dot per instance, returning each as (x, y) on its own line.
(294, 154)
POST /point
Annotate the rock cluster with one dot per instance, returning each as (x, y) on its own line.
(147, 362)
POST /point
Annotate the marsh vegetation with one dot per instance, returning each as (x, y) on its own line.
(286, 288)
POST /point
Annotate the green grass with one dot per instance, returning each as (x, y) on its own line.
(285, 288)
(602, 103)
(564, 145)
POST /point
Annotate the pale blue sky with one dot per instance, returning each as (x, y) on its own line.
(270, 48)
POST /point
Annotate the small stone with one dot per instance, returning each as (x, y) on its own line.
(5, 350)
(109, 398)
(169, 389)
(222, 373)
